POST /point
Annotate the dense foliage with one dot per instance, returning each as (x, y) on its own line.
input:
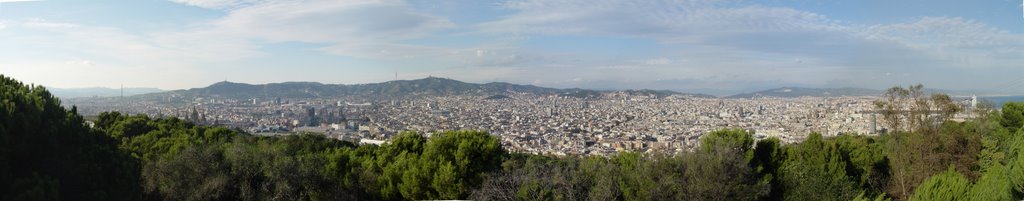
(182, 161)
(947, 186)
(48, 153)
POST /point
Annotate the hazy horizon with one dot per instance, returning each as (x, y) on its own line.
(701, 46)
(131, 90)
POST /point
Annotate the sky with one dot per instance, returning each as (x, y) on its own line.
(706, 46)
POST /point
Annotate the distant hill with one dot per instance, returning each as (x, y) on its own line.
(793, 92)
(99, 92)
(420, 87)
(426, 86)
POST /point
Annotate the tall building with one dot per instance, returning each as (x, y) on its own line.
(974, 101)
(311, 117)
(874, 122)
(194, 115)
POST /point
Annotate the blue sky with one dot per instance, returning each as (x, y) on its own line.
(709, 46)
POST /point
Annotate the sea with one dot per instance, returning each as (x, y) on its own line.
(999, 100)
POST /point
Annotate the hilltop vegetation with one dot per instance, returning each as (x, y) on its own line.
(48, 153)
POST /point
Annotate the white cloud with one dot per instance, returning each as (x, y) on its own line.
(756, 42)
(218, 4)
(358, 28)
(331, 21)
(952, 39)
(62, 54)
(172, 47)
(715, 23)
(41, 23)
(716, 37)
(383, 50)
(661, 19)
(942, 32)
(658, 61)
(80, 63)
(206, 45)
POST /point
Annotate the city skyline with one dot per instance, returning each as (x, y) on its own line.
(717, 47)
(784, 91)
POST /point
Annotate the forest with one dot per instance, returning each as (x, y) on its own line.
(49, 152)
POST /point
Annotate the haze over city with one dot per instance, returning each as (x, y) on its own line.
(703, 46)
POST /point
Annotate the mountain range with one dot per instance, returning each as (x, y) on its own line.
(99, 92)
(432, 86)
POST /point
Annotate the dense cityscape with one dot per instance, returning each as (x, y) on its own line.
(528, 123)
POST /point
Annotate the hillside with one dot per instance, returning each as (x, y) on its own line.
(431, 86)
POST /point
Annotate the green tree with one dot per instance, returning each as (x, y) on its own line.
(909, 109)
(107, 119)
(47, 152)
(199, 173)
(815, 166)
(1016, 175)
(949, 185)
(1013, 115)
(768, 157)
(735, 139)
(917, 156)
(535, 177)
(863, 197)
(606, 178)
(993, 185)
(868, 163)
(724, 174)
(398, 165)
(635, 182)
(447, 166)
(461, 157)
(891, 107)
(130, 126)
